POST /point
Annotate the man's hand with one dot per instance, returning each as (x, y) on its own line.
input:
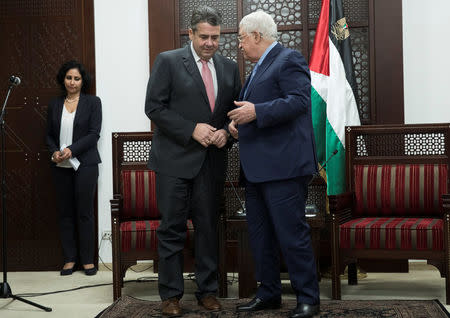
(245, 113)
(203, 133)
(219, 139)
(233, 130)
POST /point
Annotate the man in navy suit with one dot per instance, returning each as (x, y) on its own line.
(189, 93)
(276, 143)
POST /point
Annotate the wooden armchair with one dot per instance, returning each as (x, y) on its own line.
(397, 205)
(134, 213)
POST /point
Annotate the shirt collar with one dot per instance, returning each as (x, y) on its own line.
(197, 58)
(261, 59)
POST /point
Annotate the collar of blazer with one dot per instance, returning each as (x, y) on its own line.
(268, 60)
(80, 107)
(191, 66)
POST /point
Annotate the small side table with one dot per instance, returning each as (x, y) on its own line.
(247, 282)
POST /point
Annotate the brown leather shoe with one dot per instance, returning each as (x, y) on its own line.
(171, 307)
(210, 302)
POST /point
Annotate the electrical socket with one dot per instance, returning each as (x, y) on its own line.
(106, 236)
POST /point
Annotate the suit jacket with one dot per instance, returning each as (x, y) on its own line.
(279, 144)
(86, 128)
(176, 101)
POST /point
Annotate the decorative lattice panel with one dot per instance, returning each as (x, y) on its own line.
(425, 144)
(248, 68)
(361, 64)
(291, 39)
(233, 163)
(376, 145)
(317, 194)
(354, 10)
(36, 8)
(400, 144)
(228, 46)
(314, 7)
(228, 9)
(136, 151)
(312, 34)
(284, 12)
(234, 200)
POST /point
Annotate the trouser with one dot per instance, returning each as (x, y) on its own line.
(75, 193)
(276, 220)
(178, 200)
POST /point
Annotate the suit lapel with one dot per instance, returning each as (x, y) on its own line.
(241, 95)
(268, 60)
(80, 108)
(59, 111)
(191, 67)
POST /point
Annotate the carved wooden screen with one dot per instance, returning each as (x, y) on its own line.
(297, 22)
(36, 37)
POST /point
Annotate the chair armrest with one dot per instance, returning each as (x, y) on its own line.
(341, 207)
(446, 203)
(339, 203)
(116, 206)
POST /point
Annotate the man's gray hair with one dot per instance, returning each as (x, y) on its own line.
(261, 22)
(205, 14)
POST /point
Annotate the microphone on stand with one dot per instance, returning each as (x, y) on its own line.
(326, 161)
(15, 80)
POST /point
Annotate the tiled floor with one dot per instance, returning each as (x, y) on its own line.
(422, 282)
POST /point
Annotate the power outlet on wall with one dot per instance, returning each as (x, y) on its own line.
(106, 236)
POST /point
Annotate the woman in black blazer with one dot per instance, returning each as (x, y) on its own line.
(73, 128)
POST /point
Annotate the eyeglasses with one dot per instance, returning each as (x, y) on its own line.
(241, 38)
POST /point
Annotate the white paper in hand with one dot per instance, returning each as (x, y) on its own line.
(73, 161)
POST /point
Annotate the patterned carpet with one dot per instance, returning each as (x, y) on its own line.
(130, 307)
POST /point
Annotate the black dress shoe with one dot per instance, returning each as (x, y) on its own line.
(305, 311)
(90, 271)
(66, 272)
(258, 304)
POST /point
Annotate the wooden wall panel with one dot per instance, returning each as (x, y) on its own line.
(388, 106)
(37, 36)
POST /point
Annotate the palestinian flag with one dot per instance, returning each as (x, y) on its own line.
(333, 95)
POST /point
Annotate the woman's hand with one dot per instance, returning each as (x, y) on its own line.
(66, 153)
(56, 157)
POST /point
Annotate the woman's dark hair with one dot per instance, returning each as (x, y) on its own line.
(205, 14)
(80, 67)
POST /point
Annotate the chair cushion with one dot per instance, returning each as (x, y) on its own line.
(141, 235)
(139, 195)
(399, 190)
(393, 233)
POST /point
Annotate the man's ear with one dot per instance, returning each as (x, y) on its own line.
(191, 34)
(257, 36)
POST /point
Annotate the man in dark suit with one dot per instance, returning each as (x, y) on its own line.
(276, 143)
(189, 94)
